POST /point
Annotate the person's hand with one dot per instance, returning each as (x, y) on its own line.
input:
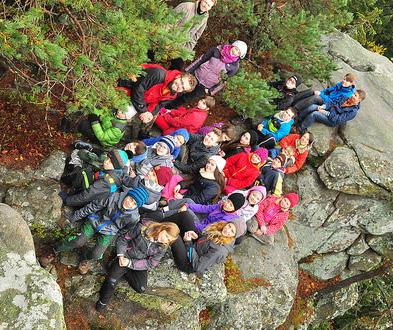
(177, 189)
(130, 146)
(263, 229)
(221, 153)
(258, 232)
(190, 235)
(260, 127)
(178, 195)
(123, 261)
(146, 117)
(183, 208)
(320, 108)
(93, 117)
(317, 93)
(207, 91)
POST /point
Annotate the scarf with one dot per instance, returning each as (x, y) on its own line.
(206, 175)
(226, 56)
(301, 147)
(349, 103)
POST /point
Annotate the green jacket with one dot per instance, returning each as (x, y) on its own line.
(109, 130)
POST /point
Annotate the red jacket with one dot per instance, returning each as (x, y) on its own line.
(155, 94)
(276, 222)
(300, 158)
(192, 119)
(239, 171)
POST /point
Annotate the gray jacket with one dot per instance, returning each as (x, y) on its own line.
(152, 160)
(190, 10)
(107, 216)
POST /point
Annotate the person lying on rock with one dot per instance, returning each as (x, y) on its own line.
(138, 250)
(272, 214)
(335, 113)
(92, 185)
(105, 218)
(197, 252)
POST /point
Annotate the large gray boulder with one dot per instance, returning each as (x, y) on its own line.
(326, 266)
(29, 296)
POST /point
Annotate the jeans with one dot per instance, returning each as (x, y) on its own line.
(315, 116)
(307, 101)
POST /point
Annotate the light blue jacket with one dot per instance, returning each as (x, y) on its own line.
(283, 131)
(337, 92)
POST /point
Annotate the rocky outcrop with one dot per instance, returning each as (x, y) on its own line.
(29, 296)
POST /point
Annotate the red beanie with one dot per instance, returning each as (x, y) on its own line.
(293, 198)
(163, 174)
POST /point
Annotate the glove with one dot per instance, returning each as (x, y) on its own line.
(63, 195)
(93, 118)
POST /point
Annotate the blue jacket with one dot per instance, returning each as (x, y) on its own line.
(339, 115)
(337, 92)
(283, 131)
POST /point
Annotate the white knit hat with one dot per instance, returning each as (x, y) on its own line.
(220, 162)
(242, 47)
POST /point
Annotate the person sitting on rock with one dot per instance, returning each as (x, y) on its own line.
(272, 214)
(242, 169)
(139, 250)
(192, 119)
(288, 91)
(180, 138)
(272, 174)
(97, 185)
(274, 128)
(104, 217)
(196, 252)
(334, 114)
(301, 144)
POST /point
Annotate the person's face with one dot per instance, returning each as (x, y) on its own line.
(305, 139)
(179, 140)
(245, 139)
(291, 83)
(180, 85)
(210, 140)
(234, 51)
(206, 5)
(229, 230)
(163, 237)
(225, 137)
(254, 197)
(228, 206)
(255, 159)
(276, 163)
(287, 115)
(346, 83)
(285, 204)
(356, 98)
(129, 203)
(162, 149)
(210, 166)
(107, 164)
(202, 104)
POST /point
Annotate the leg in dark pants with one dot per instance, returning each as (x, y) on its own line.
(108, 288)
(306, 102)
(137, 279)
(85, 129)
(266, 141)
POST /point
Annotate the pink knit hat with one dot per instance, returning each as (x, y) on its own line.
(293, 198)
(262, 153)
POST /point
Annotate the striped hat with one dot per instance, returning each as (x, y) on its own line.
(169, 142)
(119, 158)
(139, 195)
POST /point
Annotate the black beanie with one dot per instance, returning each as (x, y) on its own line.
(237, 200)
(297, 78)
(253, 137)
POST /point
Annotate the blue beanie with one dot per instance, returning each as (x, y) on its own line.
(139, 195)
(183, 132)
(118, 157)
(170, 143)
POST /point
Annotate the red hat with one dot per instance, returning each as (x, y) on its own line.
(293, 198)
(163, 174)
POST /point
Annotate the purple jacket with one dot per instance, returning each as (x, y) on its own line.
(215, 214)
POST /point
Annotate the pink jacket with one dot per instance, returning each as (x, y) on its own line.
(277, 221)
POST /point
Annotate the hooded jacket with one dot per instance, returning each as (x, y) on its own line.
(107, 216)
(339, 115)
(287, 95)
(300, 158)
(247, 211)
(336, 92)
(204, 253)
(284, 129)
(152, 160)
(272, 178)
(143, 253)
(201, 190)
(274, 223)
(109, 130)
(148, 93)
(198, 154)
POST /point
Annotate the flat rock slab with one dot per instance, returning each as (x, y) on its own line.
(326, 266)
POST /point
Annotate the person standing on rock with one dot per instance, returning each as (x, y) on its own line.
(140, 249)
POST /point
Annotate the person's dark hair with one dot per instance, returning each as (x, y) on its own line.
(220, 179)
(140, 147)
(311, 138)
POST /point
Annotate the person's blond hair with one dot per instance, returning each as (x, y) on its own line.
(214, 233)
(153, 229)
(210, 101)
(350, 77)
(362, 94)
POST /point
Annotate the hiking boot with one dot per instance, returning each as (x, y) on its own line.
(83, 267)
(81, 145)
(100, 307)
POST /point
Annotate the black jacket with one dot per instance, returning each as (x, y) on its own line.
(287, 95)
(201, 190)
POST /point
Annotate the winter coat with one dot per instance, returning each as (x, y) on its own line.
(201, 190)
(143, 253)
(107, 182)
(272, 179)
(336, 92)
(191, 119)
(233, 150)
(109, 130)
(152, 160)
(149, 92)
(339, 115)
(107, 216)
(190, 10)
(239, 171)
(300, 158)
(278, 134)
(153, 140)
(287, 95)
(153, 188)
(275, 222)
(247, 211)
(209, 68)
(214, 213)
(198, 154)
(204, 253)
